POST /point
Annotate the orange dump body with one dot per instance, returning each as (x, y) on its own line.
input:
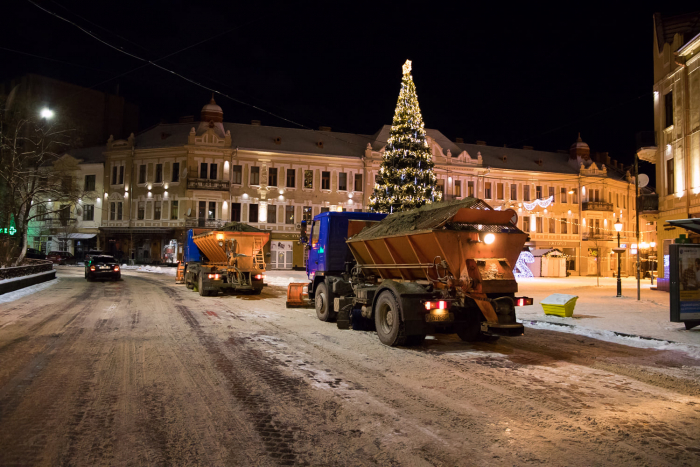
(457, 238)
(241, 249)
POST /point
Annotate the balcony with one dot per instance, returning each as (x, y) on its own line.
(205, 223)
(208, 184)
(597, 206)
(648, 203)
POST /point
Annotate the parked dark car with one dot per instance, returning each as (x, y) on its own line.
(61, 257)
(35, 254)
(102, 267)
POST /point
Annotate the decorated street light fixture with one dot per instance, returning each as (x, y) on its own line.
(618, 250)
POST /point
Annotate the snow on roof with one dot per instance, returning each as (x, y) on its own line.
(520, 159)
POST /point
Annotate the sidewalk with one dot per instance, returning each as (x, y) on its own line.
(597, 308)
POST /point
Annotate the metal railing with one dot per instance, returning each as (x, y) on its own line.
(597, 206)
(207, 184)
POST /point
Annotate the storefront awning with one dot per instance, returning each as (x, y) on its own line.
(77, 236)
(689, 224)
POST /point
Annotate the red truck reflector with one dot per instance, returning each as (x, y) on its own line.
(438, 305)
(214, 276)
(523, 301)
(258, 277)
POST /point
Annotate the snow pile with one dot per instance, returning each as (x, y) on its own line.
(17, 294)
(617, 338)
(284, 278)
(152, 269)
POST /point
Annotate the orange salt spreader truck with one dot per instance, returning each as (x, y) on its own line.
(230, 258)
(445, 267)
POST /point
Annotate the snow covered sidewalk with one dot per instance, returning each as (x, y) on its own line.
(169, 270)
(601, 315)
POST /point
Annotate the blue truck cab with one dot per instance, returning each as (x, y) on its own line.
(327, 250)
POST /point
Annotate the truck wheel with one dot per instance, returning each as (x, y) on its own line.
(323, 303)
(387, 319)
(201, 288)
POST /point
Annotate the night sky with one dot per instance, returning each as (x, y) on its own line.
(496, 73)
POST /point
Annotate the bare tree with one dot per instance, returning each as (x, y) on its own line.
(34, 180)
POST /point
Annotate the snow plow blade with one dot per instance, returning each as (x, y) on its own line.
(180, 277)
(297, 296)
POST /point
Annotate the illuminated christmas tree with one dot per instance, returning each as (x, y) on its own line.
(406, 179)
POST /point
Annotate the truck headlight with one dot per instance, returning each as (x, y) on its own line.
(489, 238)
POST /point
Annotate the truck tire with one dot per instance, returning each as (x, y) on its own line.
(324, 303)
(201, 288)
(387, 319)
(469, 331)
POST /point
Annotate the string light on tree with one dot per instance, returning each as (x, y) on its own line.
(406, 179)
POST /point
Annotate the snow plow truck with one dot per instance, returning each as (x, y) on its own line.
(230, 258)
(445, 267)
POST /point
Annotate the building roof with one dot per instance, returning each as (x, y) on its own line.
(520, 159)
(687, 24)
(382, 136)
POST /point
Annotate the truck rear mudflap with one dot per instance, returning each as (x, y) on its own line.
(497, 329)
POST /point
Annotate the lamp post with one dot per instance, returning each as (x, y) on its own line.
(618, 250)
(652, 264)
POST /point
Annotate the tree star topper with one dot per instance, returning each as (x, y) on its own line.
(407, 67)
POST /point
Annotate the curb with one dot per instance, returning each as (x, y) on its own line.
(619, 334)
(22, 282)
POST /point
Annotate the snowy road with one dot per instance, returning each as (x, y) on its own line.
(144, 372)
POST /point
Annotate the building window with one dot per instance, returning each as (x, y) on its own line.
(119, 211)
(562, 226)
(289, 214)
(114, 175)
(574, 196)
(470, 189)
(291, 178)
(308, 178)
(526, 192)
(441, 188)
(499, 191)
(670, 187)
(237, 174)
(563, 196)
(271, 214)
(173, 210)
(308, 213)
(272, 177)
(609, 197)
(149, 209)
(513, 192)
(141, 210)
(551, 192)
(574, 226)
(458, 188)
(41, 212)
(211, 213)
(156, 211)
(324, 209)
(624, 203)
(88, 212)
(254, 176)
(203, 170)
(112, 211)
(552, 225)
(159, 173)
(90, 183)
(212, 171)
(253, 213)
(526, 223)
(176, 172)
(325, 180)
(668, 105)
(343, 181)
(66, 184)
(617, 199)
(358, 182)
(142, 173)
(538, 224)
(121, 174)
(236, 212)
(538, 192)
(487, 190)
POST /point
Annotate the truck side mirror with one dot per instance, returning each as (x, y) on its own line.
(303, 238)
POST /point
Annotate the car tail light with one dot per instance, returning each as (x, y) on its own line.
(214, 276)
(92, 268)
(258, 277)
(523, 301)
(438, 305)
(116, 268)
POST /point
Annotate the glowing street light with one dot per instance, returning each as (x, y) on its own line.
(47, 113)
(618, 250)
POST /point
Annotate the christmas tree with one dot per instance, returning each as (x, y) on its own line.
(406, 179)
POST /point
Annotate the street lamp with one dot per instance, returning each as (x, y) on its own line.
(652, 266)
(618, 250)
(46, 113)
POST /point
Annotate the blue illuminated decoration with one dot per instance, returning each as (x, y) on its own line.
(521, 270)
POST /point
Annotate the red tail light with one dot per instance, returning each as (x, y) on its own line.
(439, 305)
(523, 301)
(92, 268)
(258, 277)
(442, 305)
(116, 268)
(214, 276)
